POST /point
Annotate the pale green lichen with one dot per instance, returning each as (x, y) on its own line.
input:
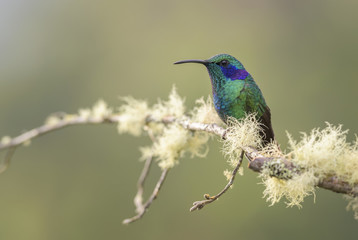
(70, 117)
(277, 168)
(27, 143)
(239, 134)
(5, 140)
(174, 142)
(353, 205)
(320, 154)
(204, 112)
(52, 120)
(294, 189)
(197, 144)
(227, 174)
(85, 113)
(327, 152)
(132, 116)
(134, 112)
(272, 149)
(170, 141)
(101, 110)
(170, 145)
(146, 152)
(174, 106)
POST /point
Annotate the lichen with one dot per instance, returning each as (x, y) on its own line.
(85, 113)
(101, 110)
(352, 205)
(170, 141)
(170, 145)
(294, 189)
(5, 140)
(239, 134)
(174, 106)
(321, 153)
(327, 152)
(278, 169)
(204, 112)
(146, 152)
(52, 120)
(132, 116)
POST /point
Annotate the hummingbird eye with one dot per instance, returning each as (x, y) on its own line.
(224, 63)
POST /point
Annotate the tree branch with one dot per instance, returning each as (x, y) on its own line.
(26, 137)
(138, 199)
(62, 123)
(257, 161)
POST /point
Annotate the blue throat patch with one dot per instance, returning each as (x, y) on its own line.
(234, 73)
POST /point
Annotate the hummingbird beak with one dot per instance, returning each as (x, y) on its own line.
(205, 62)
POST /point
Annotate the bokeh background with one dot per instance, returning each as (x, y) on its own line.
(78, 183)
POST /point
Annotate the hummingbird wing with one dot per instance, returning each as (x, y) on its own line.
(256, 103)
(265, 119)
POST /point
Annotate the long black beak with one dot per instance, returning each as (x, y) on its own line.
(193, 61)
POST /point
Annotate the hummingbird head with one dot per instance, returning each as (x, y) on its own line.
(222, 68)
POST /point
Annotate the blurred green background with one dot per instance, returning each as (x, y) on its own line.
(78, 183)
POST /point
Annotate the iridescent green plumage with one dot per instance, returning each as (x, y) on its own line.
(235, 92)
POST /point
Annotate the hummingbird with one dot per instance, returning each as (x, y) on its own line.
(235, 93)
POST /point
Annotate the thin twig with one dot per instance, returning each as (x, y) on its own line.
(4, 165)
(209, 199)
(47, 128)
(150, 200)
(75, 120)
(138, 199)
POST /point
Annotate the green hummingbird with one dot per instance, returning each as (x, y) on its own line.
(235, 92)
